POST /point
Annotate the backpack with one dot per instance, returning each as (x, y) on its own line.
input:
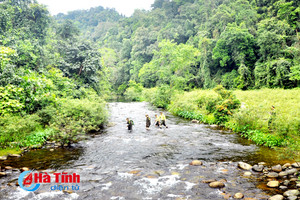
(131, 122)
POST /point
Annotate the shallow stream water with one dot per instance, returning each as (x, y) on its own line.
(146, 164)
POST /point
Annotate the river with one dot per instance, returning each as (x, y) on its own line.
(147, 164)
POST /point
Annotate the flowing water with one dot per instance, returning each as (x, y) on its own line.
(146, 164)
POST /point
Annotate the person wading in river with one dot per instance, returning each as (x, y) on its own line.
(148, 122)
(162, 118)
(129, 124)
(272, 117)
(157, 121)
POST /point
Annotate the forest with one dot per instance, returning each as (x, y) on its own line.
(56, 72)
(198, 44)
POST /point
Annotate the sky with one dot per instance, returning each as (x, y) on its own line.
(125, 7)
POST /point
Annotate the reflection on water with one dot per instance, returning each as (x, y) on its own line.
(45, 159)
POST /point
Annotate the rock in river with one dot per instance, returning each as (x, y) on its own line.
(216, 184)
(24, 169)
(209, 181)
(296, 165)
(273, 184)
(286, 182)
(283, 187)
(291, 193)
(3, 158)
(276, 197)
(238, 196)
(258, 168)
(262, 163)
(247, 174)
(8, 168)
(281, 174)
(292, 198)
(272, 175)
(244, 166)
(196, 162)
(277, 168)
(14, 155)
(286, 165)
(2, 174)
(291, 171)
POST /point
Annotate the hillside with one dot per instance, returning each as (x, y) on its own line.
(198, 44)
(88, 20)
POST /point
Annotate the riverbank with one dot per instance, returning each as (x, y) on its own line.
(251, 115)
(62, 124)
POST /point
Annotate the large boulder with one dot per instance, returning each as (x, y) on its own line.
(244, 166)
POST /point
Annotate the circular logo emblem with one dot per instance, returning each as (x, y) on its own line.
(26, 182)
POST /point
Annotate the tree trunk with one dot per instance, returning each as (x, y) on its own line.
(80, 70)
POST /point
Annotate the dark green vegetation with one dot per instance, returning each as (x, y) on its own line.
(50, 79)
(55, 71)
(241, 44)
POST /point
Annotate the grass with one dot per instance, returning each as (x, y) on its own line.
(4, 152)
(253, 119)
(257, 107)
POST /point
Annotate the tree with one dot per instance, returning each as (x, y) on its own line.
(235, 46)
(172, 64)
(80, 60)
(67, 30)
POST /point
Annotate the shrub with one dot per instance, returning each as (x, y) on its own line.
(225, 106)
(159, 96)
(10, 101)
(47, 115)
(36, 139)
(134, 91)
(78, 116)
(14, 128)
(162, 96)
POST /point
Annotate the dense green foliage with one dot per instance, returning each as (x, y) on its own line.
(94, 23)
(199, 44)
(50, 79)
